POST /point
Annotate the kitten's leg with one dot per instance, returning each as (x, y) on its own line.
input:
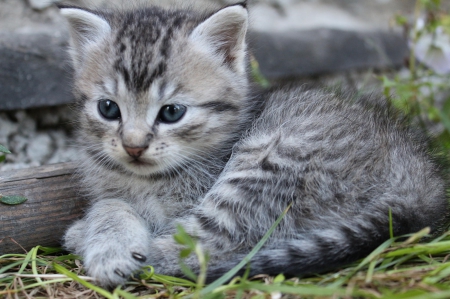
(112, 239)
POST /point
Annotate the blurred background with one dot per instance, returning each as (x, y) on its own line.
(399, 48)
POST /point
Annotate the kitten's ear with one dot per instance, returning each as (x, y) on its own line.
(224, 34)
(86, 28)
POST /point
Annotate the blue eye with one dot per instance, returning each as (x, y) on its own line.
(171, 113)
(109, 109)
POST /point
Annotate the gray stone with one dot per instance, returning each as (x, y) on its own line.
(65, 148)
(36, 137)
(7, 128)
(63, 154)
(40, 147)
(17, 146)
(360, 15)
(318, 51)
(42, 4)
(27, 126)
(33, 71)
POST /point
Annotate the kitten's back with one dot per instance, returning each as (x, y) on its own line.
(343, 163)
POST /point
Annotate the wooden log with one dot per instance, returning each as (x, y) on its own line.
(53, 203)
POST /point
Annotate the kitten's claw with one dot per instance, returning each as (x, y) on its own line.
(112, 266)
(120, 273)
(139, 257)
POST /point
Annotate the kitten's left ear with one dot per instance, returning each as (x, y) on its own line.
(224, 34)
(87, 28)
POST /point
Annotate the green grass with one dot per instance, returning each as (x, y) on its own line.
(407, 269)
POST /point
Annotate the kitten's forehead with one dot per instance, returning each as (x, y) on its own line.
(143, 41)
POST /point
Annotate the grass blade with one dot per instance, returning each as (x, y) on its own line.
(118, 292)
(33, 262)
(99, 290)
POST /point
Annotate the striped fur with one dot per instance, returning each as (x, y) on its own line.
(233, 162)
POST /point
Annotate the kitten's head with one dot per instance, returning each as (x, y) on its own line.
(159, 88)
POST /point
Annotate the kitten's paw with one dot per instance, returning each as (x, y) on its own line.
(74, 237)
(116, 242)
(112, 265)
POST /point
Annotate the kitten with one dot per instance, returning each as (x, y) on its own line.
(170, 134)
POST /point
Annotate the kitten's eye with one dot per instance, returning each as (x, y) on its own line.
(109, 109)
(171, 113)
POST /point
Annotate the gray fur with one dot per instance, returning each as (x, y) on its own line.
(229, 167)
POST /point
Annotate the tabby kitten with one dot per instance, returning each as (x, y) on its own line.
(170, 135)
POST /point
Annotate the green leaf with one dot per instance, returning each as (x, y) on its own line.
(12, 199)
(184, 253)
(2, 158)
(279, 278)
(183, 238)
(165, 279)
(4, 150)
(188, 272)
(257, 75)
(401, 20)
(445, 119)
(52, 250)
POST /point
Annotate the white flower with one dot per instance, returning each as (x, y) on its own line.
(433, 50)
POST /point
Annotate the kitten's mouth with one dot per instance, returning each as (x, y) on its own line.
(141, 166)
(140, 162)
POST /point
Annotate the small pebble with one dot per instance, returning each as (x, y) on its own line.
(36, 137)
(41, 4)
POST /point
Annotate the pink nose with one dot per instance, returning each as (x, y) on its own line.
(134, 152)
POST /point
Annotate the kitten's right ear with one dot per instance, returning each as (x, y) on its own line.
(86, 28)
(223, 33)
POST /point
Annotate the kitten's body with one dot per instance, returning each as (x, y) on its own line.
(229, 166)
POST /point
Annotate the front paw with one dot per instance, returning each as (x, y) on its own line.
(74, 237)
(113, 263)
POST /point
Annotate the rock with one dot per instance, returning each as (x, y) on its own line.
(33, 70)
(57, 116)
(39, 147)
(7, 128)
(63, 154)
(41, 4)
(325, 50)
(17, 146)
(303, 16)
(65, 150)
(36, 137)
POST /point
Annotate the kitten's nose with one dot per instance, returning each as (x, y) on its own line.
(135, 152)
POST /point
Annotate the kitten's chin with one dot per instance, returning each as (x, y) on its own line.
(142, 167)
